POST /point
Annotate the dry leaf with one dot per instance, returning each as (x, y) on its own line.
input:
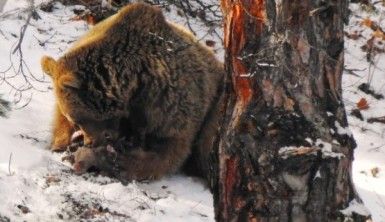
(375, 171)
(90, 20)
(378, 34)
(367, 22)
(362, 104)
(378, 31)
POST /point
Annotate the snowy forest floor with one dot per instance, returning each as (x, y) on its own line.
(36, 185)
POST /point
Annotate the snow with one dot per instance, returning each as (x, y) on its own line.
(36, 181)
(326, 149)
(355, 207)
(288, 151)
(317, 175)
(342, 130)
(370, 151)
(36, 178)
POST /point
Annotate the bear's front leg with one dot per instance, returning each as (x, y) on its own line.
(62, 132)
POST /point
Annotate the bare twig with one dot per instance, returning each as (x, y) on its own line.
(20, 68)
(9, 165)
(23, 29)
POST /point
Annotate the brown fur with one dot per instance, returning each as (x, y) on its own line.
(136, 75)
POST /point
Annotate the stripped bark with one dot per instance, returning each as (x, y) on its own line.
(286, 154)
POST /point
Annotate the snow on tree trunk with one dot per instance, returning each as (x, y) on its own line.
(287, 152)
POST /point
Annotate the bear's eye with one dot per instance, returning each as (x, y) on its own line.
(81, 120)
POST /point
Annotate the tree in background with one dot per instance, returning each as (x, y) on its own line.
(287, 152)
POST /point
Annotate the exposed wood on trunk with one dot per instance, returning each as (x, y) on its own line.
(286, 154)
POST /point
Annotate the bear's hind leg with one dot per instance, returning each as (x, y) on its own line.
(163, 158)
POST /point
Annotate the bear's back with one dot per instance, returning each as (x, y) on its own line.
(97, 33)
(138, 49)
(108, 28)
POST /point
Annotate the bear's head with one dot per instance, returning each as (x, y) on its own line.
(80, 106)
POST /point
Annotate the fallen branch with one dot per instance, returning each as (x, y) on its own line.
(377, 120)
(364, 87)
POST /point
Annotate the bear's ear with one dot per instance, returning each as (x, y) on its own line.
(48, 65)
(69, 82)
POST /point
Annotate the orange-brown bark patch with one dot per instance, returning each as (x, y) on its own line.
(235, 37)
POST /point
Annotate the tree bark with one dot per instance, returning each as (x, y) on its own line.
(286, 152)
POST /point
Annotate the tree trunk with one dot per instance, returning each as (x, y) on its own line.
(286, 152)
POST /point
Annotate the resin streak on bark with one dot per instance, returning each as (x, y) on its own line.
(240, 13)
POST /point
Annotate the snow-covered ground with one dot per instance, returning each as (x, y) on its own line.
(35, 185)
(369, 163)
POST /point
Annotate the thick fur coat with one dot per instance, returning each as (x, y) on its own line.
(134, 75)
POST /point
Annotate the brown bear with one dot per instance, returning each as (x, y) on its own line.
(135, 75)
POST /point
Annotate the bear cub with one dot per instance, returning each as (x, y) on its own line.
(145, 95)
